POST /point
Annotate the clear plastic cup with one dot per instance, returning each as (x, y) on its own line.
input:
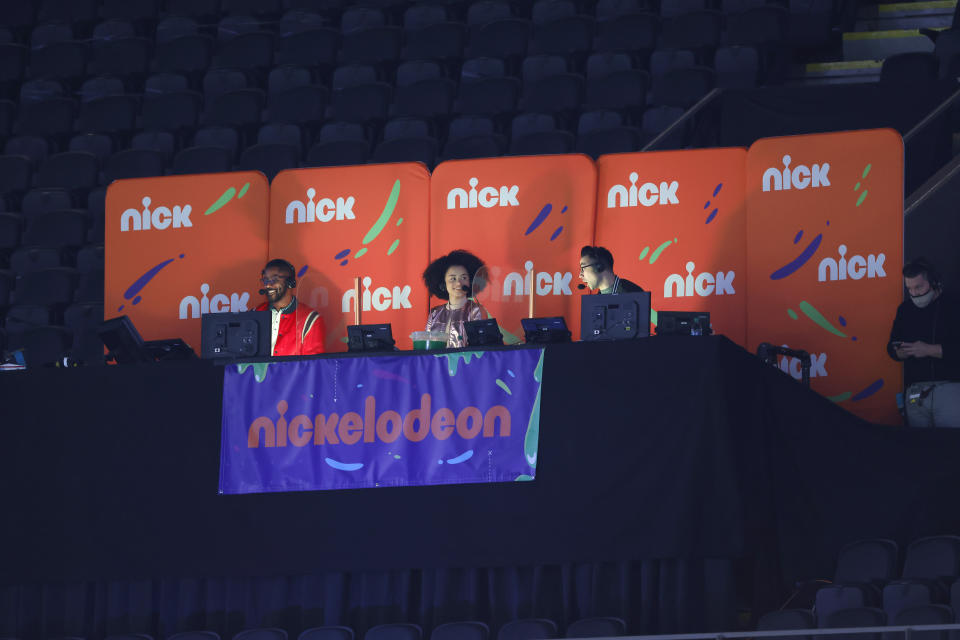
(427, 340)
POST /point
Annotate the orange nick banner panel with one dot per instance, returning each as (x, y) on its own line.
(370, 221)
(675, 223)
(181, 246)
(824, 254)
(526, 218)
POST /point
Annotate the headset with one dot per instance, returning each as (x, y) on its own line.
(291, 280)
(595, 255)
(933, 276)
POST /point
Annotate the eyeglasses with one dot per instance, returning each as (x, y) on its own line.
(587, 266)
(274, 280)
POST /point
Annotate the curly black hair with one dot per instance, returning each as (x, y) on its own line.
(436, 270)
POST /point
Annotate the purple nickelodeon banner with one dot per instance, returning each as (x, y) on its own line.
(344, 423)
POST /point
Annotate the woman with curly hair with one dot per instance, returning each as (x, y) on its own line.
(449, 278)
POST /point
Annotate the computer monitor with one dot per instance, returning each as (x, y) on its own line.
(615, 316)
(241, 334)
(683, 323)
(369, 337)
(123, 341)
(545, 330)
(482, 332)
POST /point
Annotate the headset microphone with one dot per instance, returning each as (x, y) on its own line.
(581, 286)
(263, 292)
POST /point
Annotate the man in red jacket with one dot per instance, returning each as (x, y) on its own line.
(297, 330)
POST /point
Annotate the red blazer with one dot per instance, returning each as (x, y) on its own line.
(301, 331)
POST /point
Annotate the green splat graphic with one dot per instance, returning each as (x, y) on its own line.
(643, 254)
(866, 170)
(221, 201)
(503, 385)
(399, 221)
(811, 312)
(453, 359)
(385, 215)
(243, 190)
(793, 314)
(531, 440)
(359, 253)
(840, 397)
(653, 317)
(393, 247)
(863, 196)
(509, 338)
(259, 369)
(523, 478)
(656, 252)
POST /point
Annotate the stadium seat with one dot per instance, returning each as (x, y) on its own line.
(25, 259)
(267, 633)
(194, 635)
(635, 32)
(787, 619)
(855, 617)
(758, 26)
(683, 87)
(604, 627)
(69, 170)
(11, 224)
(172, 112)
(15, 172)
(930, 566)
(242, 108)
(90, 289)
(109, 114)
(503, 38)
(467, 630)
(327, 633)
(621, 90)
(528, 629)
(60, 229)
(127, 58)
(223, 137)
(249, 52)
(65, 61)
(99, 87)
(36, 148)
(218, 82)
(419, 149)
(394, 631)
(204, 10)
(201, 160)
(278, 133)
(133, 10)
(20, 317)
(90, 257)
(485, 90)
(313, 48)
(434, 41)
(188, 54)
(693, 30)
(51, 117)
(599, 142)
(160, 83)
(286, 77)
(42, 345)
(362, 103)
(304, 105)
(271, 159)
(42, 200)
(737, 67)
(51, 286)
(557, 28)
(133, 163)
(160, 141)
(922, 615)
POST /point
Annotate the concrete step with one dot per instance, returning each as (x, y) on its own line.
(843, 72)
(877, 45)
(934, 14)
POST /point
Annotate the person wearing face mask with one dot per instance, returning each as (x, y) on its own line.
(296, 329)
(926, 338)
(450, 278)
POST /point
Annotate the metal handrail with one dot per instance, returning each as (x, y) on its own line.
(942, 180)
(692, 111)
(943, 106)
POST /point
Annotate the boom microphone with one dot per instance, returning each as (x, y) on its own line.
(581, 286)
(263, 292)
